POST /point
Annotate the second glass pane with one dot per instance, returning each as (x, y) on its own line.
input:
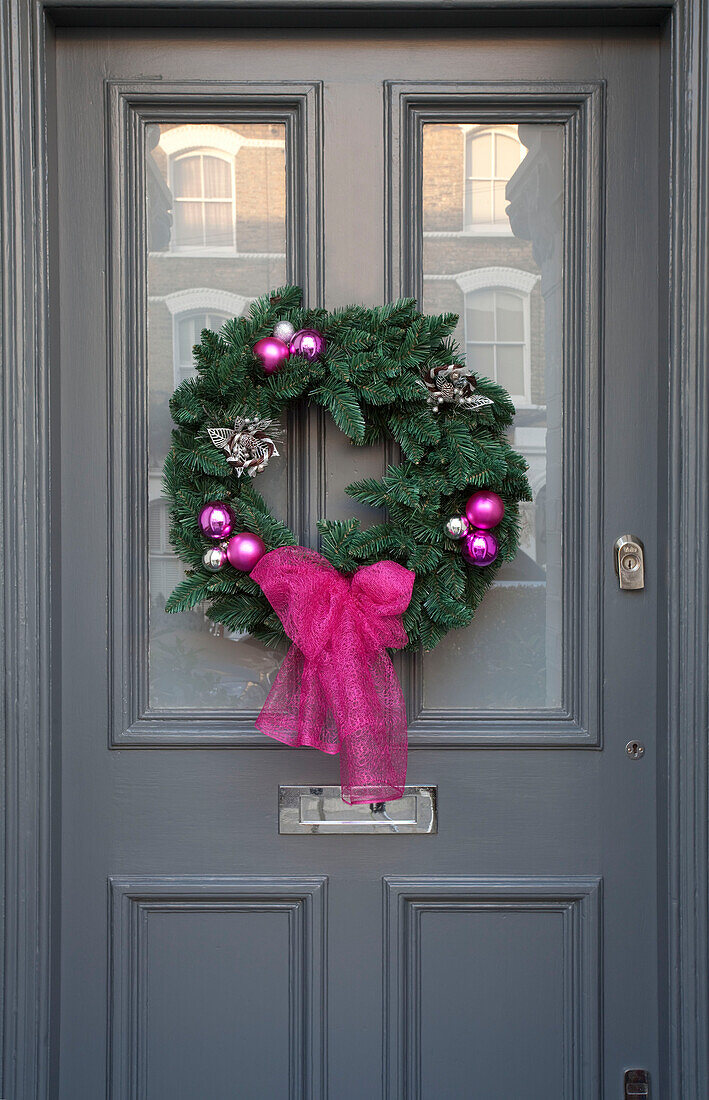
(216, 204)
(492, 253)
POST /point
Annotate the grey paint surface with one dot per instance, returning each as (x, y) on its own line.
(689, 577)
(521, 815)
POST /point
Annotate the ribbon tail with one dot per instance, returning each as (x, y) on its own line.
(295, 711)
(373, 755)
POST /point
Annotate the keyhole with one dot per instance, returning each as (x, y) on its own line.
(635, 749)
(630, 560)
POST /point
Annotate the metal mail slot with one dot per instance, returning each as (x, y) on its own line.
(321, 810)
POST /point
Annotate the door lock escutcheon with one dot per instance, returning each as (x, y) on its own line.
(629, 562)
(637, 1084)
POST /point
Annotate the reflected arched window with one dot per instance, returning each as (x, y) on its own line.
(165, 567)
(187, 331)
(497, 339)
(492, 156)
(204, 200)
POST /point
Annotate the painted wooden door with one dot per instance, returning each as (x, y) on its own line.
(511, 177)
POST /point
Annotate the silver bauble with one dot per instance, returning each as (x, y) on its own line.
(285, 331)
(214, 559)
(457, 527)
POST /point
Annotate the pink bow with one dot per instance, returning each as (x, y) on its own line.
(337, 689)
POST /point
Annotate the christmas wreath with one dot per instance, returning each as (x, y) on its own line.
(451, 509)
(382, 373)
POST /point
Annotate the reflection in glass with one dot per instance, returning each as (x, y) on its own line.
(492, 253)
(203, 197)
(492, 155)
(216, 212)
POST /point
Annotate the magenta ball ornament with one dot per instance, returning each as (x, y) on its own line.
(485, 509)
(244, 550)
(271, 353)
(216, 520)
(308, 342)
(480, 548)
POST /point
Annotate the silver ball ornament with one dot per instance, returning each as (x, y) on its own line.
(285, 331)
(214, 559)
(457, 527)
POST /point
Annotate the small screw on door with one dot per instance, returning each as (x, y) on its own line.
(635, 749)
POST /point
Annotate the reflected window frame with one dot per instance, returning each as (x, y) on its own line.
(204, 249)
(213, 319)
(520, 400)
(161, 556)
(472, 132)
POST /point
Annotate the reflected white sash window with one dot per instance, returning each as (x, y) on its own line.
(204, 200)
(492, 156)
(497, 339)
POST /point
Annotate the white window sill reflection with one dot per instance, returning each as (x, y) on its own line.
(214, 253)
(518, 584)
(477, 231)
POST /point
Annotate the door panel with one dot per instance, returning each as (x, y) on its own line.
(458, 951)
(270, 997)
(516, 948)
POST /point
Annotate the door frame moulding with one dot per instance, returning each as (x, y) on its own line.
(580, 109)
(30, 620)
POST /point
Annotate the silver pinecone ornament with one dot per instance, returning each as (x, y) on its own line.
(248, 446)
(452, 385)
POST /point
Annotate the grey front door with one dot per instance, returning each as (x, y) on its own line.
(513, 178)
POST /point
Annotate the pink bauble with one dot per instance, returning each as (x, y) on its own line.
(216, 520)
(307, 342)
(485, 509)
(244, 550)
(480, 548)
(272, 353)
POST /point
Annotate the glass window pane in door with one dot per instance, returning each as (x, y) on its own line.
(481, 316)
(499, 202)
(187, 177)
(218, 176)
(218, 225)
(509, 370)
(482, 208)
(509, 315)
(480, 161)
(481, 357)
(507, 156)
(193, 203)
(507, 289)
(189, 230)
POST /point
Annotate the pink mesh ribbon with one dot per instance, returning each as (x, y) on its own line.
(337, 690)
